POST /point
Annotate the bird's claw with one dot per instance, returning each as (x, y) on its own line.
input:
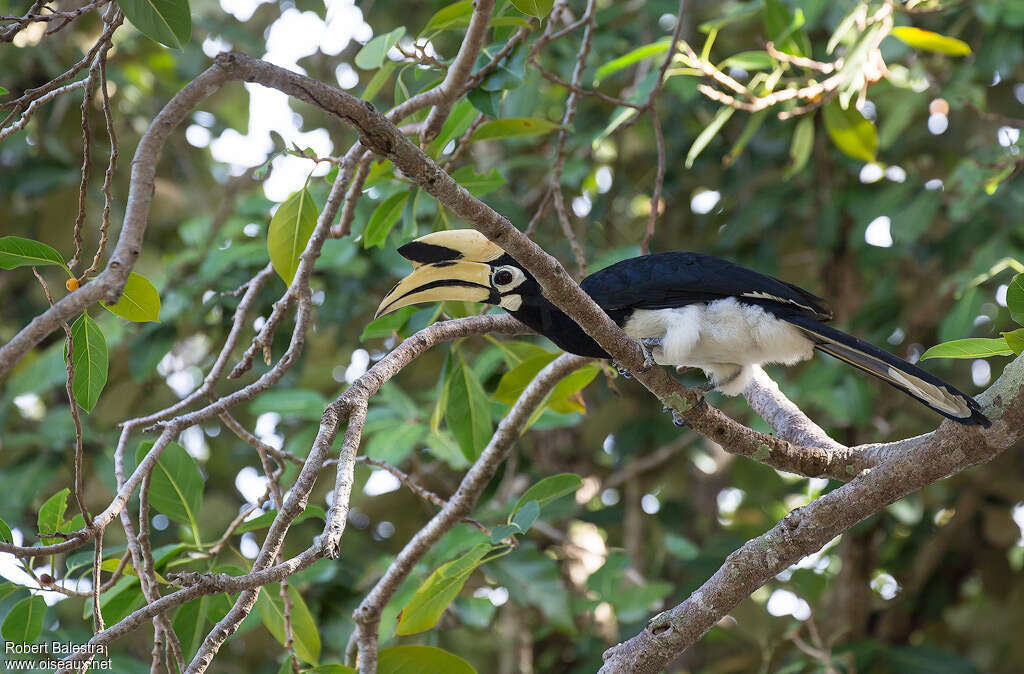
(621, 370)
(677, 418)
(647, 345)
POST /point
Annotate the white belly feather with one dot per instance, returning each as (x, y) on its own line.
(724, 338)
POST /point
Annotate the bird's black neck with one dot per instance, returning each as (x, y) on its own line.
(547, 319)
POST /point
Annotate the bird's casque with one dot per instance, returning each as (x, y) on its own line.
(687, 309)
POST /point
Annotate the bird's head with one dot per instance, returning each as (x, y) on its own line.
(459, 264)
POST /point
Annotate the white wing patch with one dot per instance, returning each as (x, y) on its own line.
(761, 295)
(935, 395)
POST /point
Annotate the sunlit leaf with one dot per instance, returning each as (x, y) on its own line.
(16, 251)
(444, 18)
(548, 489)
(89, 360)
(973, 347)
(850, 131)
(24, 622)
(304, 630)
(631, 58)
(421, 660)
(384, 218)
(929, 41)
(1015, 298)
(373, 53)
(537, 8)
(519, 127)
(290, 229)
(439, 590)
(140, 301)
(5, 533)
(748, 60)
(168, 22)
(709, 132)
(1015, 340)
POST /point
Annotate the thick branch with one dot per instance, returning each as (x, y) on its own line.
(951, 449)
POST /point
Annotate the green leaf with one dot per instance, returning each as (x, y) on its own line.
(385, 325)
(421, 660)
(514, 127)
(748, 60)
(396, 442)
(1015, 298)
(378, 173)
(51, 515)
(484, 101)
(1015, 340)
(175, 485)
(3, 91)
(379, 79)
(631, 58)
(443, 18)
(5, 532)
(373, 53)
(526, 515)
(800, 147)
(973, 347)
(290, 229)
(298, 403)
(537, 581)
(190, 625)
(499, 533)
(111, 565)
(16, 251)
(168, 22)
(267, 518)
(24, 622)
(548, 489)
(479, 184)
(439, 590)
(850, 131)
(681, 547)
(537, 8)
(307, 637)
(330, 669)
(784, 28)
(929, 41)
(89, 361)
(563, 398)
(140, 301)
(468, 414)
(709, 132)
(384, 217)
(512, 383)
(462, 116)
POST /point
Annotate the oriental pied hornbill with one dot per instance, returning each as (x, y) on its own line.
(686, 309)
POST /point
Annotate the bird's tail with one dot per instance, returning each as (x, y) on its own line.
(897, 372)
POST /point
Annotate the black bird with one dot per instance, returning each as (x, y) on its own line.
(686, 309)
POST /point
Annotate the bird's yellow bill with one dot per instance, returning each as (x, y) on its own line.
(448, 280)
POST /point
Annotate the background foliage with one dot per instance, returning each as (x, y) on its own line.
(910, 248)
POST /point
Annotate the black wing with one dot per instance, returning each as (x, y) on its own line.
(669, 280)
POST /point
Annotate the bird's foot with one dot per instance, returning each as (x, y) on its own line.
(647, 345)
(677, 418)
(624, 372)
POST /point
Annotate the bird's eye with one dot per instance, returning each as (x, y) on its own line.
(503, 277)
